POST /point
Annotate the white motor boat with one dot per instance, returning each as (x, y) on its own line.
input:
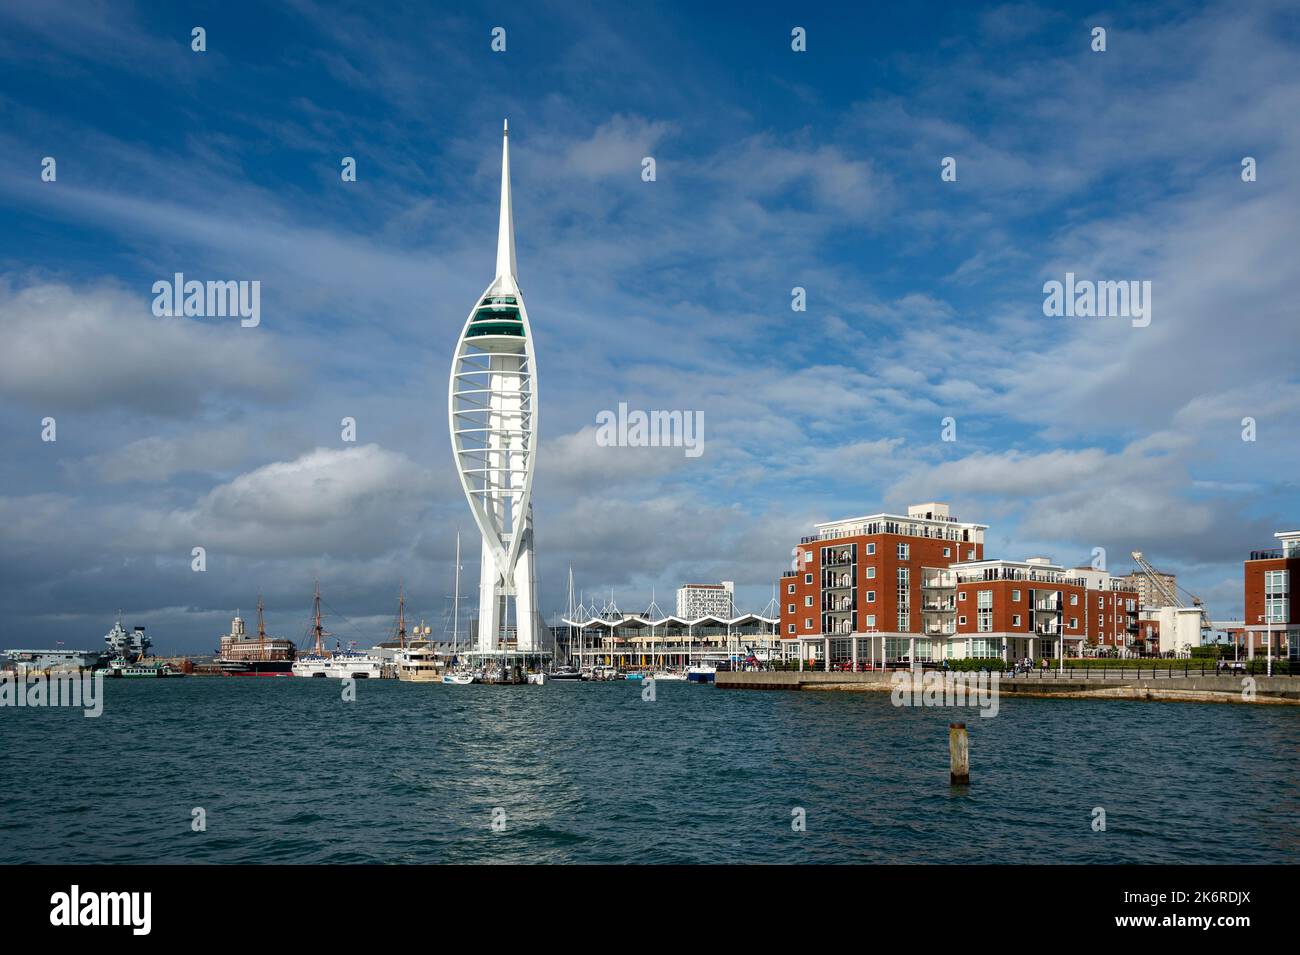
(311, 664)
(458, 679)
(669, 675)
(702, 673)
(354, 665)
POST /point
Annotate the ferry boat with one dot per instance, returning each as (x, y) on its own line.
(121, 669)
(354, 665)
(341, 664)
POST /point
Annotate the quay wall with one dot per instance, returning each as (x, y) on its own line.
(1203, 689)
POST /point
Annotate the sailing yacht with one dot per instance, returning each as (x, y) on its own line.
(455, 676)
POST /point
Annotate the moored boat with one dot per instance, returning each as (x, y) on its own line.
(701, 673)
(120, 668)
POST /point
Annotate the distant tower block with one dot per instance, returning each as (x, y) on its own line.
(492, 414)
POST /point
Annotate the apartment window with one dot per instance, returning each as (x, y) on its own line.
(790, 609)
(947, 552)
(1130, 605)
(1015, 595)
(807, 601)
(807, 623)
(984, 607)
(962, 595)
(1276, 594)
(791, 628)
(1074, 623)
(871, 620)
(789, 588)
(1015, 620)
(902, 551)
(807, 578)
(871, 596)
(871, 573)
(962, 621)
(970, 554)
(1074, 600)
(1101, 621)
(807, 557)
(871, 548)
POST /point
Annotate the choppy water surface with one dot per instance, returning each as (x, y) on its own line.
(288, 772)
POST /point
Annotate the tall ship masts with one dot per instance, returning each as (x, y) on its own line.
(320, 631)
(261, 631)
(401, 617)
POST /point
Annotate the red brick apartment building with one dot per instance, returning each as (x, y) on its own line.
(889, 587)
(1272, 604)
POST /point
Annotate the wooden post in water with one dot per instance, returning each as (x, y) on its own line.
(958, 755)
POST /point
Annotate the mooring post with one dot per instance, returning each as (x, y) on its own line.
(958, 755)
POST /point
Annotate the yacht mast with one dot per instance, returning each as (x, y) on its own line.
(569, 615)
(401, 616)
(261, 631)
(455, 602)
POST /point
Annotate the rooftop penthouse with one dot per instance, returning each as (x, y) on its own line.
(922, 520)
(1290, 541)
(1032, 570)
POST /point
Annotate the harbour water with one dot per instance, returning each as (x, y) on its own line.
(286, 771)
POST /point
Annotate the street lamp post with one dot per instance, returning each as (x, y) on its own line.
(1267, 619)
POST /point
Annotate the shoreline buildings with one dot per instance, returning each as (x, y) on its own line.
(706, 600)
(492, 417)
(1272, 606)
(889, 588)
(711, 630)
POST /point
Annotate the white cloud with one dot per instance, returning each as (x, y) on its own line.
(102, 347)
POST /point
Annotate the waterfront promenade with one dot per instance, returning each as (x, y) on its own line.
(1162, 684)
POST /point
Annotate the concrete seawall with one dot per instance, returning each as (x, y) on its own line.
(1196, 689)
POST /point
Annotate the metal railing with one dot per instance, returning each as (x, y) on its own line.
(1272, 553)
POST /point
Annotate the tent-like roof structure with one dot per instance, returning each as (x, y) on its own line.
(613, 621)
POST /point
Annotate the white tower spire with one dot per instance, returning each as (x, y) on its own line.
(506, 268)
(492, 414)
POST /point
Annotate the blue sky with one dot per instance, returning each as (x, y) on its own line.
(775, 169)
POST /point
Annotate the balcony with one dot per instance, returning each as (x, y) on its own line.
(935, 630)
(1273, 553)
(939, 606)
(837, 582)
(1047, 630)
(941, 581)
(1048, 604)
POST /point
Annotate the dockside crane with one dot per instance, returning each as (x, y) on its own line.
(1170, 597)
